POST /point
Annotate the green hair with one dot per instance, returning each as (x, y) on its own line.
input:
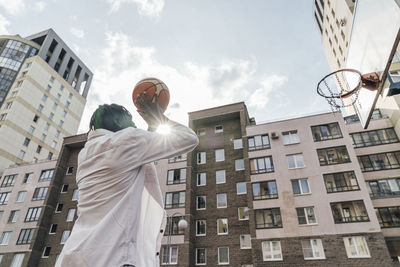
(111, 117)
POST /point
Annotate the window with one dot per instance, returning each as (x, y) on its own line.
(306, 215)
(175, 200)
(356, 247)
(201, 179)
(64, 188)
(75, 195)
(349, 211)
(169, 255)
(53, 144)
(245, 241)
(222, 201)
(46, 175)
(333, 155)
(71, 214)
(51, 116)
(388, 216)
(201, 158)
(237, 144)
(258, 142)
(38, 149)
(27, 178)
(261, 165)
(44, 98)
(5, 238)
(13, 216)
(59, 207)
(174, 229)
(177, 158)
(47, 126)
(65, 236)
(219, 155)
(61, 88)
(384, 188)
(46, 252)
(290, 137)
(268, 218)
(55, 106)
(239, 165)
(271, 250)
(40, 193)
(40, 108)
(241, 188)
(9, 180)
(43, 137)
(201, 227)
(383, 161)
(53, 229)
(57, 133)
(201, 256)
(243, 213)
(8, 105)
(223, 255)
(70, 170)
(295, 161)
(177, 176)
(17, 260)
(219, 129)
(340, 182)
(35, 118)
(33, 214)
(48, 88)
(60, 123)
(201, 203)
(64, 113)
(70, 95)
(201, 132)
(25, 236)
(312, 249)
(51, 79)
(28, 65)
(21, 196)
(31, 129)
(375, 137)
(264, 190)
(26, 141)
(4, 197)
(220, 177)
(1, 215)
(3, 117)
(21, 154)
(222, 226)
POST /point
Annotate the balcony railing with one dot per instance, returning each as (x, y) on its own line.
(342, 188)
(351, 219)
(384, 194)
(389, 224)
(267, 196)
(264, 170)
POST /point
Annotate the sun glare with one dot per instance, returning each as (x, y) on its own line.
(163, 129)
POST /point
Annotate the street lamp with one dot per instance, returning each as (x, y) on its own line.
(182, 224)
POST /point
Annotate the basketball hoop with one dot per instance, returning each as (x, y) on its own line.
(344, 83)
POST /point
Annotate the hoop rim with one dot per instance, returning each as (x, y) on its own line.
(347, 94)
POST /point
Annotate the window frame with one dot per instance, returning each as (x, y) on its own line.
(197, 203)
(353, 238)
(252, 139)
(271, 250)
(227, 226)
(217, 151)
(200, 158)
(245, 188)
(197, 228)
(198, 178)
(223, 263)
(306, 215)
(296, 161)
(291, 139)
(175, 205)
(180, 172)
(205, 257)
(226, 200)
(314, 249)
(262, 187)
(328, 137)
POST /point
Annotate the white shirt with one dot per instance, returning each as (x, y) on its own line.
(120, 207)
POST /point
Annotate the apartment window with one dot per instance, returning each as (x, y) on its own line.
(219, 155)
(237, 144)
(356, 247)
(243, 213)
(40, 108)
(55, 106)
(223, 255)
(222, 201)
(264, 190)
(40, 193)
(31, 129)
(3, 117)
(67, 104)
(44, 98)
(222, 226)
(5, 238)
(8, 105)
(53, 229)
(300, 187)
(258, 142)
(383, 161)
(65, 236)
(71, 214)
(21, 196)
(47, 126)
(75, 195)
(201, 179)
(64, 188)
(13, 216)
(375, 137)
(25, 236)
(340, 182)
(333, 155)
(220, 177)
(173, 229)
(239, 165)
(61, 88)
(21, 154)
(46, 175)
(46, 252)
(27, 141)
(326, 132)
(241, 188)
(38, 149)
(271, 250)
(50, 156)
(388, 216)
(245, 241)
(219, 129)
(201, 158)
(53, 144)
(4, 197)
(268, 218)
(349, 211)
(201, 132)
(177, 176)
(9, 180)
(70, 96)
(201, 227)
(64, 113)
(60, 123)
(51, 79)
(261, 165)
(35, 118)
(70, 170)
(33, 214)
(51, 116)
(295, 161)
(178, 158)
(17, 260)
(48, 88)
(290, 137)
(27, 178)
(59, 207)
(43, 137)
(201, 203)
(384, 188)
(312, 249)
(201, 256)
(28, 65)
(57, 133)
(306, 215)
(169, 255)
(175, 200)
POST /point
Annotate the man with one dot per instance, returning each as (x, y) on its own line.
(120, 209)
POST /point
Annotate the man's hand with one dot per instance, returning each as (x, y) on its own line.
(150, 112)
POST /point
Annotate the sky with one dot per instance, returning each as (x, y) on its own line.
(209, 53)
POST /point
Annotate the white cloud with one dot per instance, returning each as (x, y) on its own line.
(13, 7)
(40, 5)
(260, 96)
(3, 25)
(151, 8)
(79, 33)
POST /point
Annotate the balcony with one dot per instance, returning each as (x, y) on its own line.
(349, 212)
(384, 194)
(342, 188)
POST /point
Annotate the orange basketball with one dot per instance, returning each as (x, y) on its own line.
(152, 87)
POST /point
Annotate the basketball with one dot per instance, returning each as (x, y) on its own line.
(152, 87)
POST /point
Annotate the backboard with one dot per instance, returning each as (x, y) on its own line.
(373, 43)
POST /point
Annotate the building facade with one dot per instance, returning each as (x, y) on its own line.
(43, 90)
